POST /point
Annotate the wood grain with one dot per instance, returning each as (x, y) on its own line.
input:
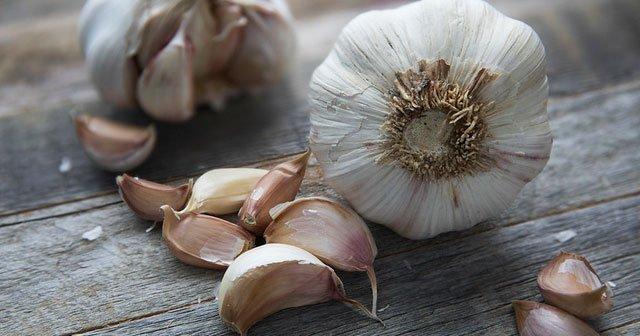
(37, 134)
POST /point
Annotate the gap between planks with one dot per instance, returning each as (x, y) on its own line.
(421, 245)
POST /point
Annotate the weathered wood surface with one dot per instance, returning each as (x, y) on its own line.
(126, 282)
(590, 46)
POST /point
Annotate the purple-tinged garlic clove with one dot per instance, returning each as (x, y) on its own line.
(539, 319)
(569, 282)
(145, 198)
(273, 277)
(222, 191)
(204, 241)
(114, 146)
(330, 231)
(279, 185)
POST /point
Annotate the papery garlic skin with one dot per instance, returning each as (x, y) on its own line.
(168, 56)
(223, 191)
(569, 282)
(271, 278)
(413, 168)
(145, 197)
(539, 319)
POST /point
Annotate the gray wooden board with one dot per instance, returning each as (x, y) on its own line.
(67, 284)
(462, 287)
(590, 46)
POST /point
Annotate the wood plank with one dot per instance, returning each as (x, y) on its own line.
(271, 124)
(462, 287)
(129, 273)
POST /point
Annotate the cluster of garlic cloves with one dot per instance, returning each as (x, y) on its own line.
(570, 283)
(436, 109)
(145, 198)
(274, 277)
(281, 184)
(204, 241)
(539, 319)
(114, 146)
(167, 56)
(346, 242)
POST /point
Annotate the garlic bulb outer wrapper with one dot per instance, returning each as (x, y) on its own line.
(431, 117)
(204, 241)
(222, 191)
(570, 283)
(145, 198)
(330, 231)
(281, 184)
(274, 277)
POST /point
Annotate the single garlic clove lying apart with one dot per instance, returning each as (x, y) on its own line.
(279, 185)
(114, 146)
(204, 241)
(145, 197)
(274, 277)
(223, 191)
(539, 319)
(334, 233)
(569, 282)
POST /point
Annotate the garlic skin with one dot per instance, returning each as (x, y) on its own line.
(570, 283)
(431, 117)
(539, 319)
(145, 197)
(279, 185)
(222, 191)
(273, 277)
(330, 231)
(168, 56)
(204, 241)
(114, 146)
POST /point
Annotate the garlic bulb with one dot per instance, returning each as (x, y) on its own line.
(539, 319)
(222, 191)
(330, 231)
(167, 56)
(431, 117)
(204, 241)
(569, 282)
(145, 197)
(114, 146)
(274, 277)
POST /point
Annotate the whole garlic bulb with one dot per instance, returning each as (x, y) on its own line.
(167, 56)
(433, 116)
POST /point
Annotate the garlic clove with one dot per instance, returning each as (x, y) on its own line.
(222, 191)
(114, 146)
(204, 241)
(539, 319)
(145, 197)
(569, 282)
(279, 185)
(274, 277)
(166, 89)
(346, 242)
(267, 49)
(103, 28)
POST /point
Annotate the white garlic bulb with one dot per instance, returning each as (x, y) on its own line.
(432, 117)
(167, 56)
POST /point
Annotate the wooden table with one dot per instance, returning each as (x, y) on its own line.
(126, 282)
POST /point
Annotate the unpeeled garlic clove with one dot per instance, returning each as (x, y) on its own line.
(569, 282)
(274, 277)
(114, 146)
(204, 241)
(539, 319)
(279, 185)
(166, 88)
(334, 233)
(145, 197)
(222, 191)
